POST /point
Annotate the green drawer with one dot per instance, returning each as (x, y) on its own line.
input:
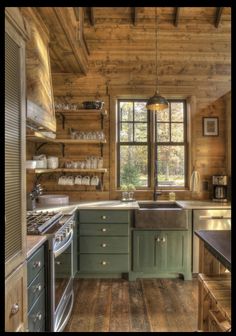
(103, 216)
(103, 263)
(35, 264)
(103, 229)
(35, 289)
(36, 317)
(103, 245)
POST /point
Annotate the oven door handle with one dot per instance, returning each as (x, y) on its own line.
(56, 253)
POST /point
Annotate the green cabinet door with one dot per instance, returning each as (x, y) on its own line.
(160, 251)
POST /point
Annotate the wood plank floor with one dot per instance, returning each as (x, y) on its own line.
(144, 305)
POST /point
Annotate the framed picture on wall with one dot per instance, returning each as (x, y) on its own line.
(210, 126)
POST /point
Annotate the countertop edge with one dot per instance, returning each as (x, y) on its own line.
(33, 243)
(213, 249)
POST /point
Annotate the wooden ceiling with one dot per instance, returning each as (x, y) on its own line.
(119, 47)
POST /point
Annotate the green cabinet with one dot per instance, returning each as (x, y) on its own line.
(162, 253)
(36, 288)
(103, 242)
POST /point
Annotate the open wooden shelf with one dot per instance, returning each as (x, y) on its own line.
(82, 111)
(38, 137)
(78, 141)
(66, 170)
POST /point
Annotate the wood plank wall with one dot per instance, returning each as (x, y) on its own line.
(194, 63)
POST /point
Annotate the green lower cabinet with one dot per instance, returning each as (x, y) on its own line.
(162, 252)
(103, 243)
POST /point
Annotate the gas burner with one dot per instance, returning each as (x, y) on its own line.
(39, 222)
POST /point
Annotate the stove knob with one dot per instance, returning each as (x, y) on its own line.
(58, 238)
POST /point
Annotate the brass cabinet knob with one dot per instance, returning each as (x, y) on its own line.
(103, 245)
(38, 317)
(157, 239)
(103, 263)
(104, 229)
(38, 287)
(14, 308)
(37, 264)
(163, 239)
(104, 217)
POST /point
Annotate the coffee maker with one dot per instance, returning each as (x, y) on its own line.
(219, 183)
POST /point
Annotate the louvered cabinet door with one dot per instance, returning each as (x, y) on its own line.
(15, 197)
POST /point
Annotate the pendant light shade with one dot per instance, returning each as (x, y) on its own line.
(157, 102)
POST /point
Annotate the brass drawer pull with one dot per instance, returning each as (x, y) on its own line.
(104, 217)
(163, 239)
(157, 239)
(104, 229)
(37, 264)
(14, 308)
(38, 317)
(104, 263)
(103, 245)
(38, 287)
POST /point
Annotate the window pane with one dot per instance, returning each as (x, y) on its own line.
(134, 165)
(163, 132)
(177, 132)
(177, 112)
(140, 111)
(170, 165)
(126, 132)
(126, 111)
(163, 115)
(140, 132)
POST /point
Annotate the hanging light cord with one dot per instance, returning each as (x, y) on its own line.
(157, 79)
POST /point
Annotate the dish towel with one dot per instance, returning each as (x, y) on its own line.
(195, 182)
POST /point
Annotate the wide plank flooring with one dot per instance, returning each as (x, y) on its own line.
(143, 305)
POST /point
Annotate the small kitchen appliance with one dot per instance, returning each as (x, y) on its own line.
(219, 183)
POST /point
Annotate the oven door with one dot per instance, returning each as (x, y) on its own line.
(63, 287)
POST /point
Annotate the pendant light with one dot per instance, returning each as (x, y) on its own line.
(157, 102)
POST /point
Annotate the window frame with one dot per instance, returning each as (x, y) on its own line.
(134, 143)
(152, 143)
(174, 143)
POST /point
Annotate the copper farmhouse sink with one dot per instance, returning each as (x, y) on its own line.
(161, 215)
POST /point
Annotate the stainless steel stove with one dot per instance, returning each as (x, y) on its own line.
(58, 228)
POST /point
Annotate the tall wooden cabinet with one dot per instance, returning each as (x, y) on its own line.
(15, 177)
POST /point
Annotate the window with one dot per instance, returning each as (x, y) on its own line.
(135, 155)
(133, 138)
(171, 145)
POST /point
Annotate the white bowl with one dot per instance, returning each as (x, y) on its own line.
(53, 199)
(30, 164)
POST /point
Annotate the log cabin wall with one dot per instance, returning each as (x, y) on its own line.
(193, 63)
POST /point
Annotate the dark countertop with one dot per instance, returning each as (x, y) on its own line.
(218, 242)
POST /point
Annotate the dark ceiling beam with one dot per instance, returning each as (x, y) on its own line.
(134, 14)
(218, 17)
(177, 16)
(91, 16)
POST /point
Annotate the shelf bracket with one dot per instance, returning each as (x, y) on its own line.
(41, 145)
(102, 121)
(101, 148)
(63, 119)
(102, 180)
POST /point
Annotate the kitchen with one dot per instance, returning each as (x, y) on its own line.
(115, 197)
